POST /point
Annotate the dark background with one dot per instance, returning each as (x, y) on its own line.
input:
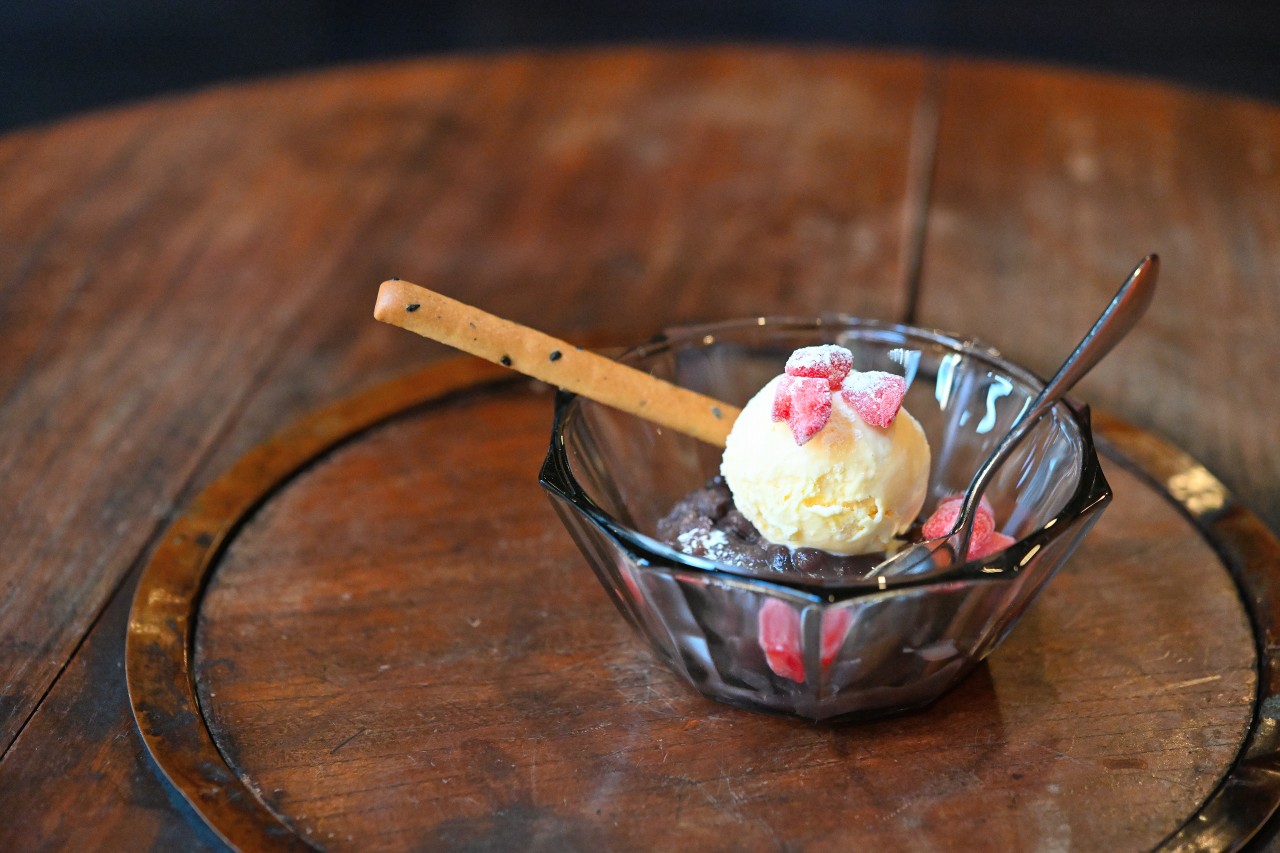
(62, 56)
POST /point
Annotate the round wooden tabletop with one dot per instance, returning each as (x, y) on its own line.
(181, 280)
(383, 650)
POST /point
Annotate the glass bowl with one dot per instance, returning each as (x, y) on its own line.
(842, 647)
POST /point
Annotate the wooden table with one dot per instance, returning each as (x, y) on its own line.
(183, 279)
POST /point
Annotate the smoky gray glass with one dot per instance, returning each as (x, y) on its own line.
(816, 648)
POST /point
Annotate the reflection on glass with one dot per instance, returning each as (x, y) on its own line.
(1000, 387)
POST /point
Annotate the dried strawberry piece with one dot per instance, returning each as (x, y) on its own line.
(984, 526)
(828, 361)
(997, 541)
(942, 521)
(804, 403)
(810, 408)
(782, 643)
(944, 518)
(875, 395)
(835, 625)
(779, 628)
(782, 398)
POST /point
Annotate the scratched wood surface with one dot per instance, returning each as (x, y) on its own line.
(186, 277)
(1048, 188)
(164, 296)
(409, 655)
(181, 279)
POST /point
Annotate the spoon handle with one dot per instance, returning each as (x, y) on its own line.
(1120, 316)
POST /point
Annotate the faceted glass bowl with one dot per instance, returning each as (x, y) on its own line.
(842, 647)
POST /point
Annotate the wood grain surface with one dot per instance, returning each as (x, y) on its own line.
(181, 279)
(243, 216)
(482, 689)
(1047, 188)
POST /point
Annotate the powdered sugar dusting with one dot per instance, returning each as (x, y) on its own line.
(712, 543)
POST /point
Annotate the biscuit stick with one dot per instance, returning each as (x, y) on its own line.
(553, 361)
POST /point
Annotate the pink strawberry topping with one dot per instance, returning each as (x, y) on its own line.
(984, 541)
(804, 402)
(782, 642)
(814, 374)
(997, 541)
(835, 625)
(827, 361)
(944, 518)
(779, 626)
(875, 395)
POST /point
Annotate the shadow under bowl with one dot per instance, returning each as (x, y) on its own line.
(823, 649)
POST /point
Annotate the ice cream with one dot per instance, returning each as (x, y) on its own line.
(824, 457)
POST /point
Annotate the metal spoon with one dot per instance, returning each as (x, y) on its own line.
(1120, 316)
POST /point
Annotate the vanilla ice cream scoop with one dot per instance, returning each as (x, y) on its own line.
(809, 465)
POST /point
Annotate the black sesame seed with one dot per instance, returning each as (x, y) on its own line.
(555, 355)
(715, 410)
(506, 361)
(395, 278)
(412, 306)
